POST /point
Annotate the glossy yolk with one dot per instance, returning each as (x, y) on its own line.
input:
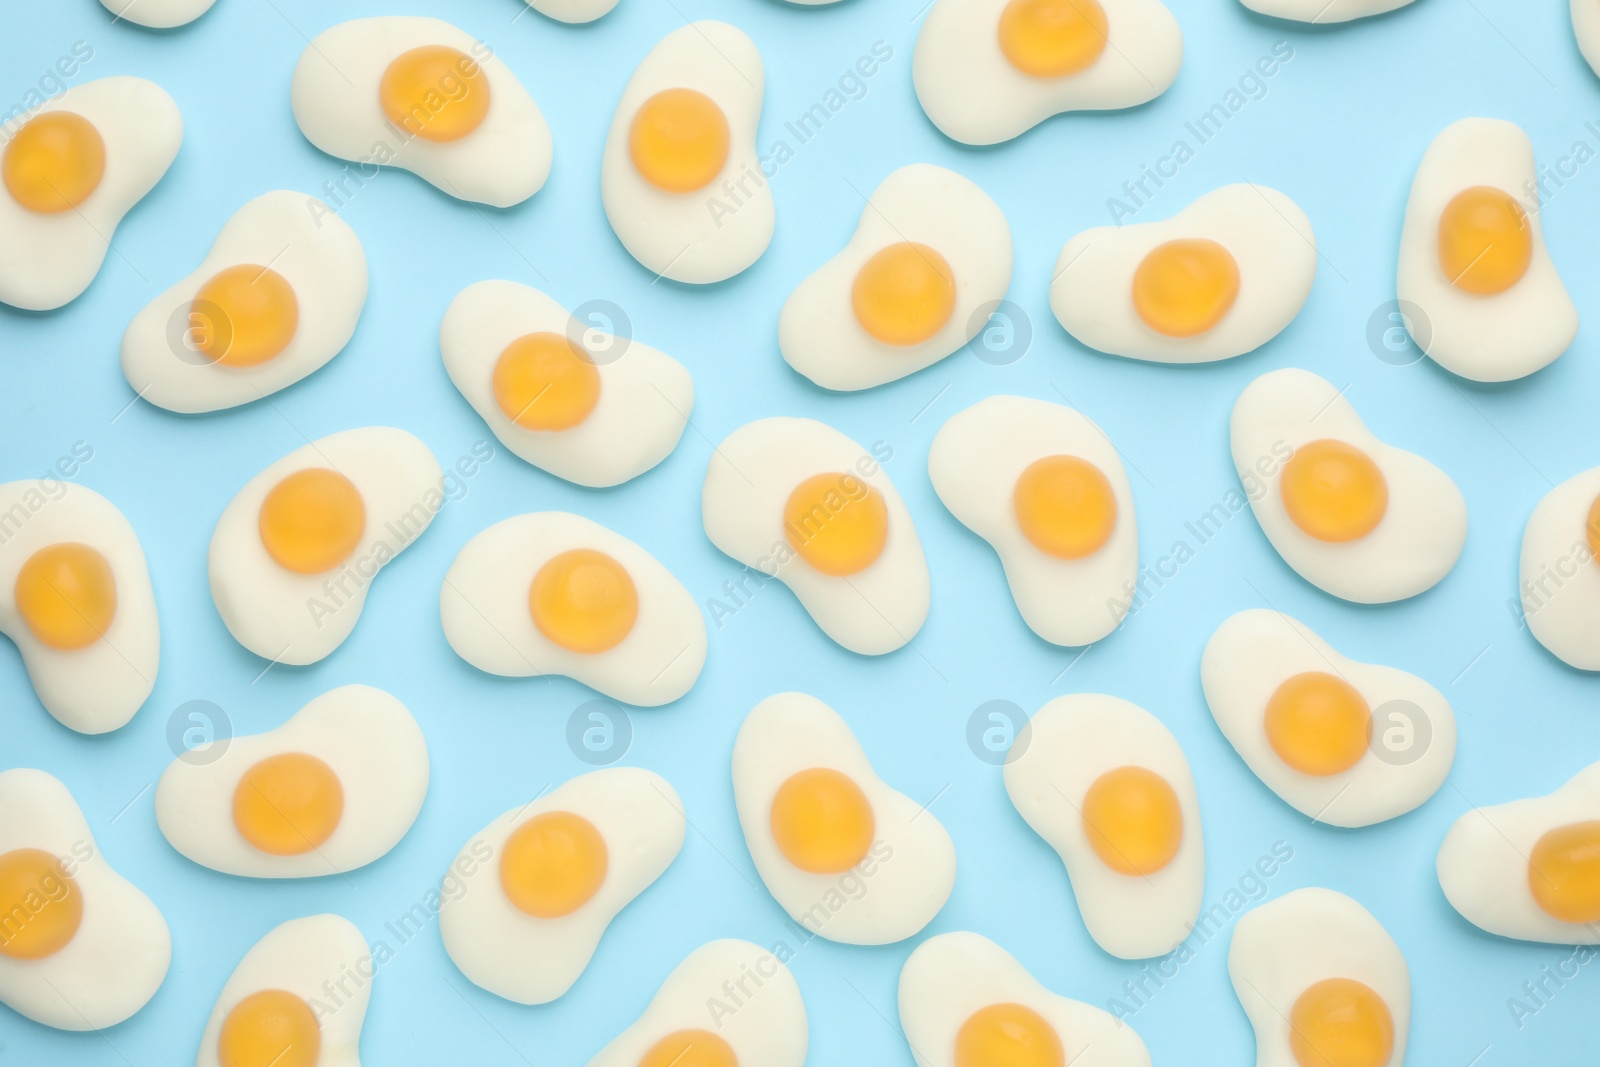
(1133, 821)
(1334, 491)
(272, 1028)
(1318, 723)
(1485, 241)
(822, 821)
(553, 864)
(1052, 38)
(904, 294)
(1183, 288)
(288, 804)
(54, 162)
(836, 523)
(435, 93)
(312, 520)
(1564, 872)
(67, 595)
(41, 906)
(584, 601)
(1065, 506)
(1008, 1035)
(1591, 528)
(542, 381)
(1340, 1022)
(244, 316)
(679, 140)
(690, 1048)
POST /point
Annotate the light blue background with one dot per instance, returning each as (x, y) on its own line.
(1341, 129)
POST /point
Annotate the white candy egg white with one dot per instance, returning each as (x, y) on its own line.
(118, 957)
(158, 14)
(1484, 862)
(99, 687)
(974, 463)
(49, 259)
(1422, 531)
(976, 96)
(300, 618)
(1488, 338)
(336, 103)
(720, 229)
(1070, 743)
(534, 960)
(1559, 575)
(952, 976)
(574, 11)
(735, 990)
(367, 737)
(907, 874)
(298, 237)
(1267, 234)
(1586, 27)
(818, 331)
(1413, 727)
(1323, 12)
(488, 621)
(645, 395)
(748, 482)
(1288, 945)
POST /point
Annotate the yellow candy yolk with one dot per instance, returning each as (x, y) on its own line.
(1133, 821)
(54, 162)
(690, 1048)
(542, 381)
(1485, 241)
(553, 864)
(584, 601)
(1318, 724)
(1564, 872)
(312, 520)
(822, 821)
(435, 93)
(1052, 38)
(1340, 1022)
(679, 140)
(1334, 491)
(67, 595)
(288, 804)
(1183, 288)
(1591, 528)
(272, 1028)
(1065, 506)
(1008, 1035)
(41, 906)
(244, 316)
(904, 294)
(836, 523)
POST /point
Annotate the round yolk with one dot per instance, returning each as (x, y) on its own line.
(690, 1048)
(822, 821)
(247, 315)
(41, 906)
(679, 140)
(288, 804)
(272, 1028)
(542, 381)
(1133, 821)
(1052, 38)
(67, 595)
(1183, 288)
(1065, 506)
(312, 520)
(904, 294)
(1591, 528)
(584, 601)
(836, 523)
(1008, 1035)
(1340, 1022)
(1564, 872)
(553, 864)
(1485, 241)
(1334, 491)
(54, 162)
(435, 93)
(1318, 724)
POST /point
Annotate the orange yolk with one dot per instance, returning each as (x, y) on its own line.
(67, 595)
(690, 1048)
(822, 821)
(1065, 506)
(1564, 872)
(1591, 528)
(1008, 1035)
(1340, 1022)
(312, 520)
(1183, 288)
(584, 601)
(904, 294)
(542, 381)
(1485, 241)
(553, 864)
(1334, 491)
(248, 314)
(1133, 821)
(435, 93)
(271, 1028)
(1318, 724)
(1052, 38)
(54, 162)
(679, 140)
(836, 523)
(288, 804)
(41, 906)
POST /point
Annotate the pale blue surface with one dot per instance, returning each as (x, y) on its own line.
(1341, 129)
